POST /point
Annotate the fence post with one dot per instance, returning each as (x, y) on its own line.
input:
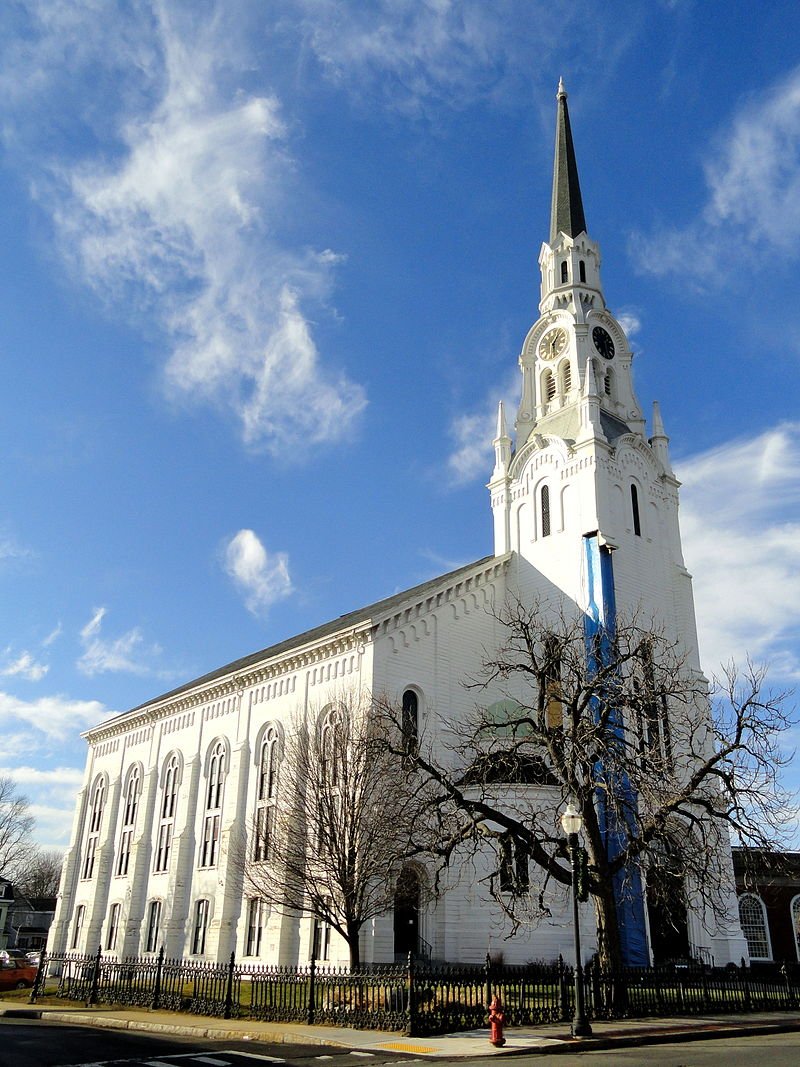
(312, 974)
(155, 1003)
(488, 970)
(229, 990)
(95, 978)
(411, 1019)
(37, 982)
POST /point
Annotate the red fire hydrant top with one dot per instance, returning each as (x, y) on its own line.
(496, 1019)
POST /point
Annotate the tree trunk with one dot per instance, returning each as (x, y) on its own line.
(609, 950)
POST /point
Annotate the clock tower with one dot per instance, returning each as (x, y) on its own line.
(583, 499)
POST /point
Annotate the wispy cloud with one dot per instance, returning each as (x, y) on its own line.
(53, 636)
(128, 652)
(752, 174)
(740, 519)
(415, 54)
(52, 799)
(472, 434)
(57, 717)
(262, 577)
(24, 666)
(177, 210)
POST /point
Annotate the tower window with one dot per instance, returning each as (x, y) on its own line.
(564, 270)
(582, 271)
(545, 511)
(549, 386)
(566, 376)
(608, 383)
(637, 526)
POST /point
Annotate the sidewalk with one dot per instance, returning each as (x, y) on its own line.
(550, 1038)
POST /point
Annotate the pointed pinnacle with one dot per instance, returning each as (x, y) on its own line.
(501, 421)
(566, 210)
(561, 90)
(658, 422)
(591, 382)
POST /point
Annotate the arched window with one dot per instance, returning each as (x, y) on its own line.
(566, 376)
(132, 793)
(582, 271)
(153, 926)
(653, 727)
(256, 911)
(113, 928)
(166, 823)
(77, 929)
(330, 740)
(200, 927)
(753, 918)
(608, 384)
(410, 722)
(795, 913)
(545, 495)
(266, 796)
(215, 783)
(637, 525)
(564, 272)
(95, 823)
(548, 386)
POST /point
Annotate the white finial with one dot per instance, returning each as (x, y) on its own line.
(561, 90)
(658, 422)
(591, 382)
(501, 420)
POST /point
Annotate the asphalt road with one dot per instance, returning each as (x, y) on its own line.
(37, 1043)
(779, 1050)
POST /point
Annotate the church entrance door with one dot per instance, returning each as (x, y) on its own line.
(406, 914)
(669, 926)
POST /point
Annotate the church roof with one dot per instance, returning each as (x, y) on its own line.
(352, 618)
(566, 211)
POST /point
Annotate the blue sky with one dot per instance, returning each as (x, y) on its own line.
(266, 271)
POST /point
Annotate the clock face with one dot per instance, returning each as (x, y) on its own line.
(553, 343)
(603, 342)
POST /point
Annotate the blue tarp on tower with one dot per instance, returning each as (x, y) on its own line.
(599, 630)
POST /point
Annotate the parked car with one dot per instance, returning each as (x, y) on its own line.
(16, 973)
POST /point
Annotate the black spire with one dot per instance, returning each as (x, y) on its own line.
(566, 212)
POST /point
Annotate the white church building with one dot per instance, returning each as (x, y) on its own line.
(170, 783)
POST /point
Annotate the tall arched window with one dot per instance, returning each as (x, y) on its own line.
(266, 797)
(77, 929)
(753, 918)
(545, 511)
(608, 384)
(548, 387)
(566, 376)
(95, 823)
(132, 793)
(113, 928)
(637, 525)
(215, 783)
(564, 272)
(153, 926)
(795, 913)
(329, 747)
(582, 271)
(166, 821)
(410, 722)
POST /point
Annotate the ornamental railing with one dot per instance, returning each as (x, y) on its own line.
(415, 998)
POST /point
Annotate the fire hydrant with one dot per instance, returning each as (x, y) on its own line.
(496, 1019)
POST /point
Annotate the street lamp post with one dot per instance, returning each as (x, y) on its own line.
(571, 823)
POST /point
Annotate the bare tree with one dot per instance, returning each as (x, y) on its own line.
(38, 872)
(16, 826)
(623, 728)
(337, 814)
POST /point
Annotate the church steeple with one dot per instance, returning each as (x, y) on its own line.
(566, 210)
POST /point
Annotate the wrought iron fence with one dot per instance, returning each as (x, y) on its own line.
(416, 998)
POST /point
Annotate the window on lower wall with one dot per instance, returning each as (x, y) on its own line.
(77, 929)
(321, 940)
(795, 912)
(753, 917)
(113, 927)
(153, 926)
(200, 927)
(255, 926)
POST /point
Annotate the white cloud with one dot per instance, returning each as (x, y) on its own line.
(125, 653)
(24, 666)
(57, 717)
(472, 434)
(630, 321)
(752, 175)
(415, 53)
(52, 795)
(740, 520)
(52, 636)
(177, 212)
(261, 576)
